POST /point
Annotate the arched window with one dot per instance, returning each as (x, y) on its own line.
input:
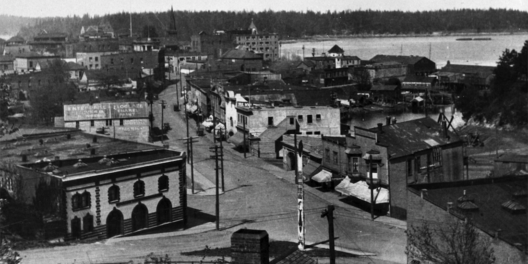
(163, 183)
(88, 223)
(76, 202)
(113, 194)
(139, 188)
(86, 200)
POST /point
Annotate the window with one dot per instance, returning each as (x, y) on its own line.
(121, 122)
(317, 133)
(111, 60)
(90, 59)
(88, 224)
(309, 119)
(300, 118)
(318, 117)
(335, 157)
(409, 167)
(76, 201)
(417, 164)
(86, 200)
(309, 133)
(163, 183)
(30, 64)
(77, 124)
(108, 122)
(113, 194)
(96, 58)
(270, 120)
(291, 121)
(131, 60)
(327, 155)
(355, 164)
(139, 188)
(231, 120)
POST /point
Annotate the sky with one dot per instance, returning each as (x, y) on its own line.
(47, 8)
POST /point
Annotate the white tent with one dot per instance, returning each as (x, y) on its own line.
(361, 191)
(323, 176)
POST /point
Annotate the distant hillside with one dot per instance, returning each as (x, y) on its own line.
(297, 24)
(10, 25)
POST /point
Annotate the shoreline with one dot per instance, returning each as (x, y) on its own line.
(319, 38)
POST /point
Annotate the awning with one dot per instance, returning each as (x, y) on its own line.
(361, 191)
(323, 176)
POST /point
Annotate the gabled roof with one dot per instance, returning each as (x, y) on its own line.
(482, 71)
(16, 39)
(489, 196)
(401, 59)
(241, 55)
(405, 138)
(336, 49)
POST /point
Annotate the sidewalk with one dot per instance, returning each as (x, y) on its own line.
(202, 185)
(333, 198)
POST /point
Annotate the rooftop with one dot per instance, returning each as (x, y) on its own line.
(401, 59)
(468, 69)
(336, 49)
(491, 197)
(405, 138)
(46, 144)
(241, 54)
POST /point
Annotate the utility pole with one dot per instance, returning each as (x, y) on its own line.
(371, 188)
(221, 163)
(329, 214)
(244, 142)
(300, 197)
(162, 107)
(189, 141)
(217, 204)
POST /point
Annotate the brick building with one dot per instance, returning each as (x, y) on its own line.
(97, 186)
(92, 59)
(129, 61)
(397, 154)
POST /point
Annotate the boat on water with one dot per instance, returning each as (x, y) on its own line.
(469, 39)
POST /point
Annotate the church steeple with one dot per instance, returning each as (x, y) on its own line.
(253, 28)
(171, 31)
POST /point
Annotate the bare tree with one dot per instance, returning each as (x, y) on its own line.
(455, 242)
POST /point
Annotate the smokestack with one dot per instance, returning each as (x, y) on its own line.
(380, 127)
(388, 120)
(250, 246)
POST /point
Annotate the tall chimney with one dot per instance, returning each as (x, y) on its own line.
(249, 246)
(388, 120)
(380, 127)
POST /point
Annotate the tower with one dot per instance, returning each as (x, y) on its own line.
(253, 28)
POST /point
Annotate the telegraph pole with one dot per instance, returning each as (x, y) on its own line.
(162, 107)
(217, 204)
(371, 188)
(244, 142)
(300, 197)
(329, 213)
(221, 163)
(189, 141)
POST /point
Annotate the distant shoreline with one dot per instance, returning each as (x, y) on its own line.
(319, 38)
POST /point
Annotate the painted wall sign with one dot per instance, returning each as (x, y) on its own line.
(110, 110)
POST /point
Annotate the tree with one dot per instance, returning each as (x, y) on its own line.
(48, 101)
(454, 242)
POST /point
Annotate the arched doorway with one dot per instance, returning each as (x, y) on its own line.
(139, 217)
(164, 211)
(291, 160)
(76, 227)
(114, 223)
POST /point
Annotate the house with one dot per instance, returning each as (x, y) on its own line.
(388, 93)
(385, 70)
(416, 65)
(53, 43)
(75, 70)
(245, 61)
(27, 62)
(7, 64)
(261, 43)
(102, 31)
(395, 155)
(137, 186)
(510, 164)
(496, 207)
(99, 79)
(174, 60)
(15, 41)
(418, 84)
(92, 59)
(456, 76)
(131, 62)
(118, 117)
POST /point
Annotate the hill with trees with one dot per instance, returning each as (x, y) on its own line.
(10, 25)
(294, 24)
